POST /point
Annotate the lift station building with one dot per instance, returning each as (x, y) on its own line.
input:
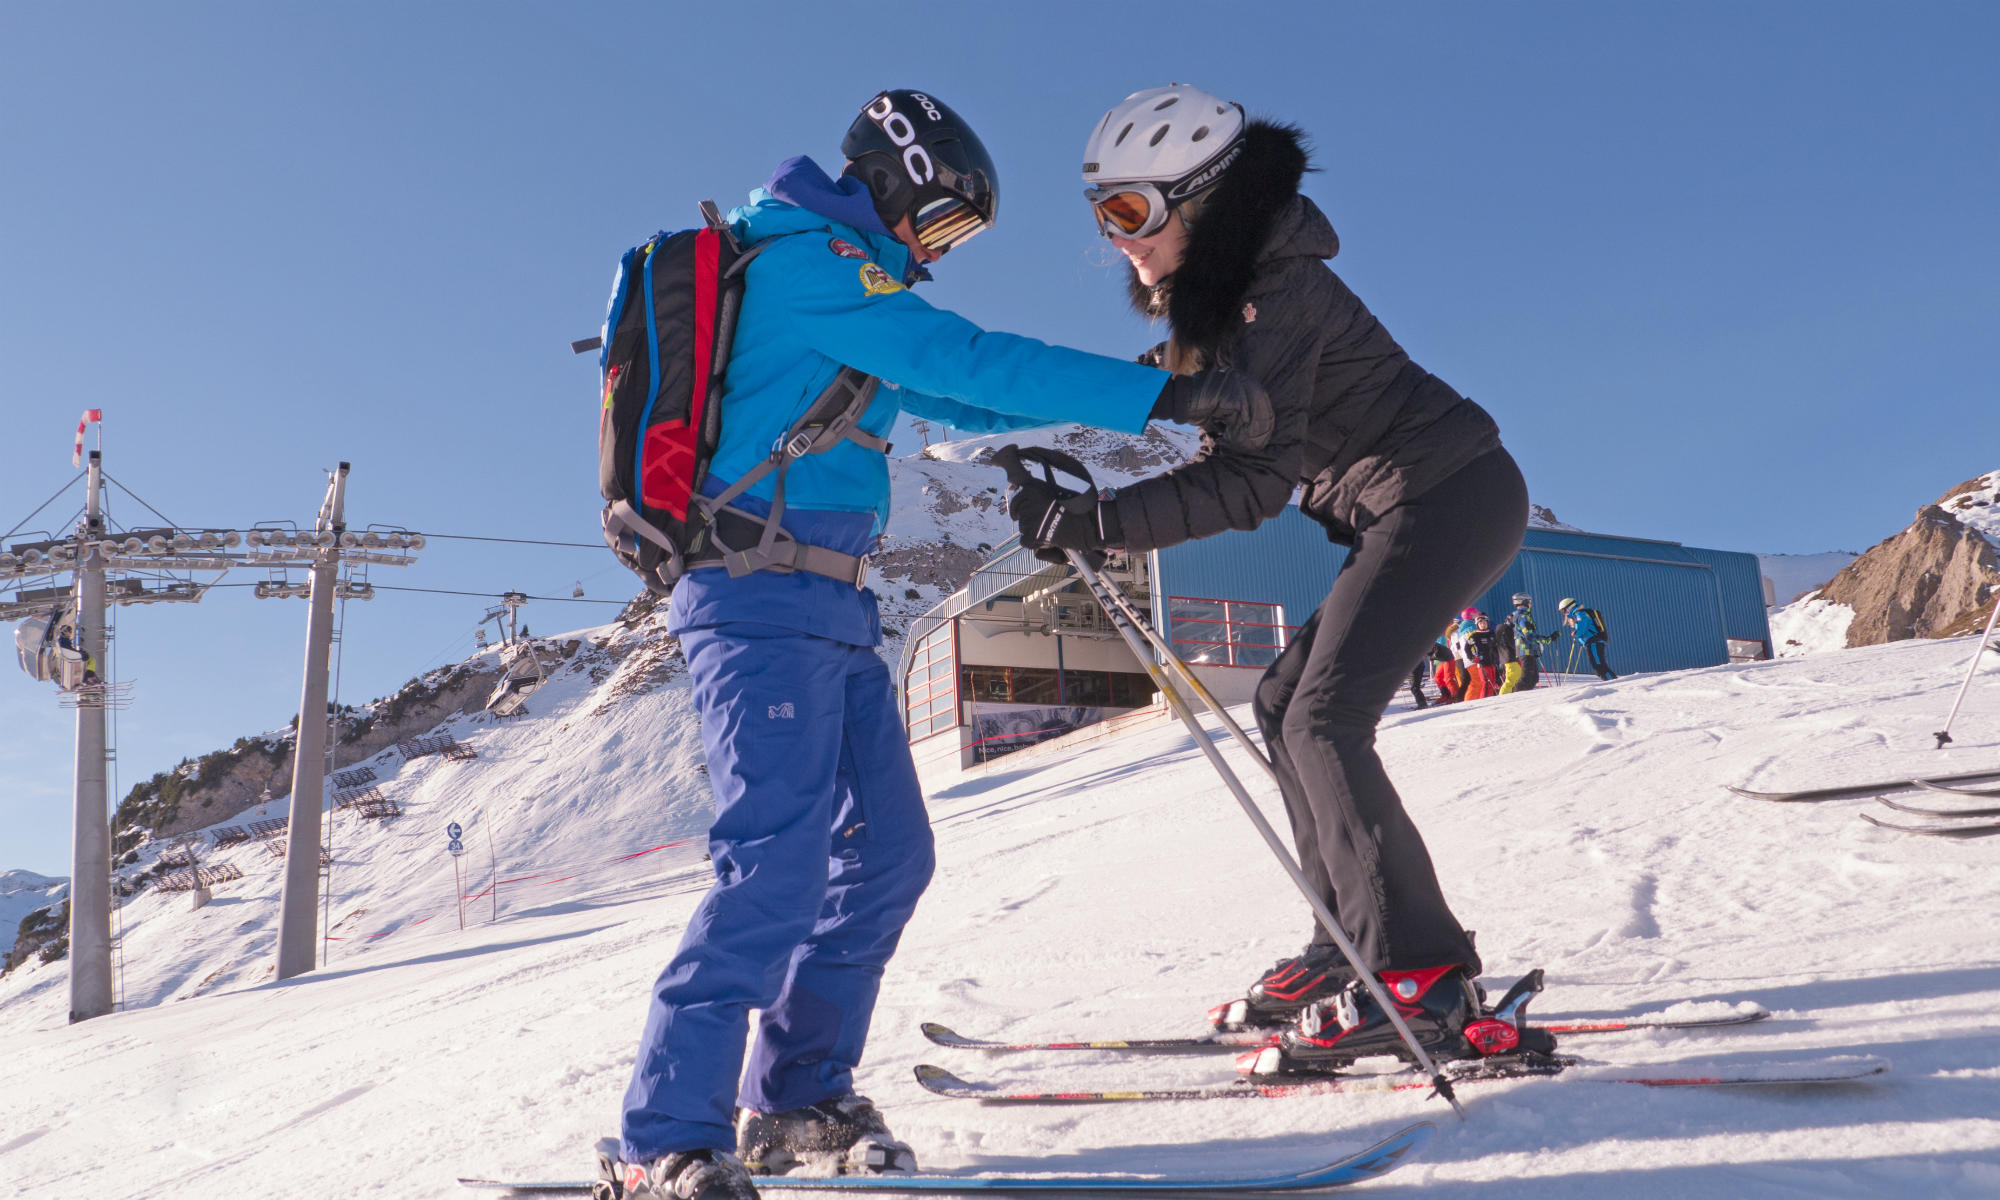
(1022, 654)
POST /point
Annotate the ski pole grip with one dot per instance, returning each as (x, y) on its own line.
(1014, 461)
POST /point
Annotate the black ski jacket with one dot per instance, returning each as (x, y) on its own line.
(1358, 424)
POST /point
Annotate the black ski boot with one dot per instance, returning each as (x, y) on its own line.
(684, 1175)
(842, 1135)
(1289, 986)
(1441, 1005)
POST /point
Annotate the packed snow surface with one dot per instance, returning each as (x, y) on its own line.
(1111, 890)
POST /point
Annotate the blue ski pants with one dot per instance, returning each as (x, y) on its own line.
(821, 847)
(1593, 649)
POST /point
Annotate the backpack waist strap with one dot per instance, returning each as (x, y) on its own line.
(732, 526)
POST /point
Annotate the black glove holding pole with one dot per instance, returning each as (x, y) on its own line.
(1055, 519)
(1232, 406)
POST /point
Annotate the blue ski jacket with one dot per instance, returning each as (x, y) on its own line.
(837, 293)
(1584, 625)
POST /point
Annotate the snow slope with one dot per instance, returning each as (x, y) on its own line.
(1979, 507)
(1113, 889)
(1810, 625)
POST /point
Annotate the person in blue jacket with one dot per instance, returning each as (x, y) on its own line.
(821, 844)
(1587, 626)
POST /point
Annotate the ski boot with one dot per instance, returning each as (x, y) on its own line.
(1442, 1007)
(1293, 983)
(842, 1135)
(683, 1175)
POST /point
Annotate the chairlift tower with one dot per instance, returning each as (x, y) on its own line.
(90, 556)
(329, 546)
(90, 846)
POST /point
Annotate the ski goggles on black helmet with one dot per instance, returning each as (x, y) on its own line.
(946, 222)
(1140, 208)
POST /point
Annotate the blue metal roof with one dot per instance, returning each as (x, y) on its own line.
(1668, 606)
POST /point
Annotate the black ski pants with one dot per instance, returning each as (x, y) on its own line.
(1418, 564)
(1594, 650)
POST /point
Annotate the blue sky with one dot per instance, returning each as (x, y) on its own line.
(1721, 271)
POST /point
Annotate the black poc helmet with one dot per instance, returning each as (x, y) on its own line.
(919, 160)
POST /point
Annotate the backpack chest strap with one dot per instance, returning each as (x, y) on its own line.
(833, 418)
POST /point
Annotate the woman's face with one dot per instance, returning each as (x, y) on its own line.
(1158, 255)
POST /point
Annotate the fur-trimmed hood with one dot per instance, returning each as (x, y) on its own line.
(1254, 215)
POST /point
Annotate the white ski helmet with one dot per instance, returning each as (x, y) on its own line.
(1174, 142)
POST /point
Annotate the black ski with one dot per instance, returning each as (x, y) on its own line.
(1863, 791)
(1239, 1039)
(1838, 1069)
(1976, 830)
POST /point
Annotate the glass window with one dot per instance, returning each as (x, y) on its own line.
(1092, 688)
(1234, 633)
(930, 700)
(1034, 685)
(1131, 691)
(986, 683)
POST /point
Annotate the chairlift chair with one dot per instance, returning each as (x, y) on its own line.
(524, 674)
(38, 642)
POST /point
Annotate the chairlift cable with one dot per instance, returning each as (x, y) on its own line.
(466, 537)
(492, 595)
(142, 502)
(38, 512)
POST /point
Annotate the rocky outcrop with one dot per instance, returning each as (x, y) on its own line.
(217, 786)
(43, 933)
(1938, 578)
(942, 565)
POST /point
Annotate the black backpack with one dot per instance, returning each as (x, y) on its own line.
(663, 357)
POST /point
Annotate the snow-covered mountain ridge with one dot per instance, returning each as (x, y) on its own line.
(1937, 578)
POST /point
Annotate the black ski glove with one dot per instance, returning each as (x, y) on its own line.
(1229, 404)
(1054, 520)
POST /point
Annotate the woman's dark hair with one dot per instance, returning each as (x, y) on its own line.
(1227, 228)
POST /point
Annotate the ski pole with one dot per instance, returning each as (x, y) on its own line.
(1106, 594)
(1010, 459)
(1943, 736)
(1165, 682)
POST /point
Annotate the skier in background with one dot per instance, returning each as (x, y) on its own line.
(1510, 655)
(821, 844)
(1449, 676)
(1206, 208)
(1524, 671)
(1587, 626)
(1417, 682)
(1482, 646)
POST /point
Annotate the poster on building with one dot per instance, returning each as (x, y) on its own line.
(1003, 728)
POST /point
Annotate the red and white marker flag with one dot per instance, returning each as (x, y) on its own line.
(89, 415)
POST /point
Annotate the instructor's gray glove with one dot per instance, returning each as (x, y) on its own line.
(1229, 404)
